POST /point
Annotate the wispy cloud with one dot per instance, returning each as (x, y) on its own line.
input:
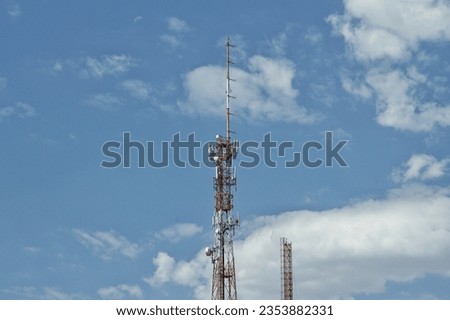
(337, 253)
(177, 25)
(421, 167)
(313, 35)
(176, 28)
(20, 109)
(98, 67)
(107, 65)
(3, 83)
(44, 293)
(179, 231)
(107, 244)
(119, 292)
(357, 88)
(137, 88)
(14, 10)
(105, 101)
(137, 19)
(44, 140)
(278, 43)
(264, 92)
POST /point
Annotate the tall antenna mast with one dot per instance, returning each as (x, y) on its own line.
(228, 92)
(222, 152)
(287, 286)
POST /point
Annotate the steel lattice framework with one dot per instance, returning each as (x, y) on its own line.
(287, 286)
(222, 152)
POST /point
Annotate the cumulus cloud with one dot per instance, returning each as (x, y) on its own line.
(381, 34)
(193, 273)
(107, 244)
(386, 29)
(337, 253)
(20, 109)
(265, 92)
(179, 231)
(122, 291)
(165, 265)
(421, 167)
(397, 105)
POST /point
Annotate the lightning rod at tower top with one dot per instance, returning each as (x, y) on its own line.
(222, 153)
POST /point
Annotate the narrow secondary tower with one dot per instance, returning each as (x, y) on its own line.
(222, 152)
(287, 287)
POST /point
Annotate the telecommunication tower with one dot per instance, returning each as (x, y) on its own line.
(287, 287)
(222, 153)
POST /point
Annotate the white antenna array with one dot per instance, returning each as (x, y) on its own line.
(228, 92)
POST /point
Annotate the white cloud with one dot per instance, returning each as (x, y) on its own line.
(137, 19)
(44, 140)
(104, 101)
(122, 291)
(32, 250)
(165, 265)
(89, 67)
(14, 10)
(171, 40)
(57, 67)
(45, 293)
(137, 88)
(52, 293)
(356, 88)
(378, 29)
(20, 109)
(107, 65)
(192, 273)
(421, 167)
(313, 35)
(398, 107)
(177, 25)
(179, 231)
(176, 29)
(264, 92)
(278, 43)
(384, 33)
(337, 253)
(3, 83)
(73, 136)
(107, 244)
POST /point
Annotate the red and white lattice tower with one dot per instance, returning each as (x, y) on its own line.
(222, 153)
(287, 286)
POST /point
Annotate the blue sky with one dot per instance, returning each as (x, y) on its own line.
(75, 75)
